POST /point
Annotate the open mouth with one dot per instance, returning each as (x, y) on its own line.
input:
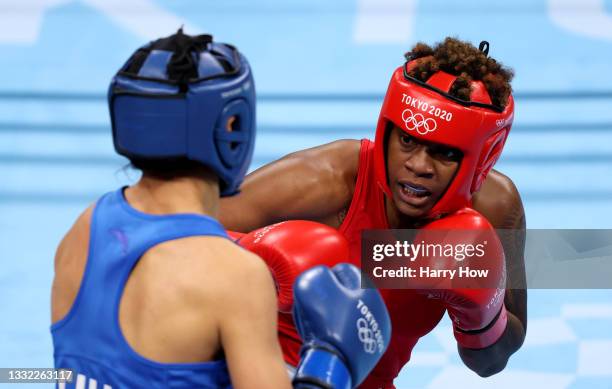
(413, 194)
(414, 190)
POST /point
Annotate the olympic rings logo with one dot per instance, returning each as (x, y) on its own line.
(417, 122)
(366, 336)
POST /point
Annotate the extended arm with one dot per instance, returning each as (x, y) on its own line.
(312, 184)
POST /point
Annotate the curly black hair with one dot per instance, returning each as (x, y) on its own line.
(465, 61)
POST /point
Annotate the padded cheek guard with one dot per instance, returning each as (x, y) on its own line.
(156, 118)
(427, 112)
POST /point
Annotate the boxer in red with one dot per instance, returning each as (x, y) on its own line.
(443, 124)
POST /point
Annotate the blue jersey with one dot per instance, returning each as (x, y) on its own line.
(89, 340)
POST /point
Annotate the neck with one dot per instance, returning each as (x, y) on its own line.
(394, 218)
(397, 220)
(193, 193)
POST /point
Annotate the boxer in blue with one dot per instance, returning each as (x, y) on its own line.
(148, 289)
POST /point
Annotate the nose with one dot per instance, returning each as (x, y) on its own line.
(419, 162)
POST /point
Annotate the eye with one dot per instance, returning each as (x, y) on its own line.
(446, 153)
(406, 140)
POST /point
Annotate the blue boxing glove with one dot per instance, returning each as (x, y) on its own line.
(345, 329)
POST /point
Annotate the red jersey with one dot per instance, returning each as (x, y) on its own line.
(412, 315)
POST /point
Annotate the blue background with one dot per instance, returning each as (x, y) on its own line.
(321, 69)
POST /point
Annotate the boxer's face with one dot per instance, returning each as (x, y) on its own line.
(419, 172)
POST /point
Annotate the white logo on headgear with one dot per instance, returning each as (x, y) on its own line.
(417, 122)
(503, 122)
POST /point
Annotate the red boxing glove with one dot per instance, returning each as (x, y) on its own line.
(475, 305)
(235, 235)
(290, 247)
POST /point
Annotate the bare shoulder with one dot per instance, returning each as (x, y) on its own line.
(503, 186)
(69, 265)
(338, 160)
(222, 272)
(78, 234)
(240, 282)
(82, 222)
(252, 279)
(338, 165)
(244, 267)
(500, 201)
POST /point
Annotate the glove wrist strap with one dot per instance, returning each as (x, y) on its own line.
(485, 337)
(319, 368)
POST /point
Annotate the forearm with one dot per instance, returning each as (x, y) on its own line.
(237, 214)
(493, 359)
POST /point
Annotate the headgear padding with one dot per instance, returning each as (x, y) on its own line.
(426, 111)
(173, 100)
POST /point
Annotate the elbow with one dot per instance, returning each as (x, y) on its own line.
(499, 360)
(491, 370)
(492, 360)
(487, 366)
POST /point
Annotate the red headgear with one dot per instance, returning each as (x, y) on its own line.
(426, 111)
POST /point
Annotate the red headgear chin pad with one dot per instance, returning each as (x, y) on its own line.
(426, 112)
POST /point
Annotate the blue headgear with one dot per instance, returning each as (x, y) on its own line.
(174, 98)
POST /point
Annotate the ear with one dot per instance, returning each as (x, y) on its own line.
(491, 152)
